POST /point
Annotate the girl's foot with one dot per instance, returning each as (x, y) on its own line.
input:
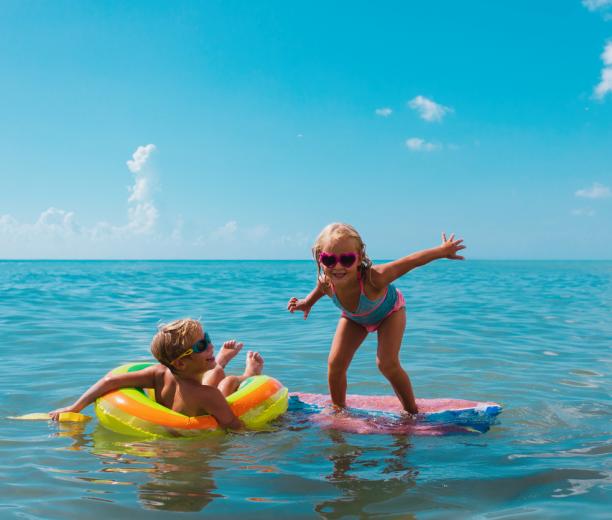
(254, 364)
(228, 351)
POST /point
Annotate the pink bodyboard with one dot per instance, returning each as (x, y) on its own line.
(383, 414)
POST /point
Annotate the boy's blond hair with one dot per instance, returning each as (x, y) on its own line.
(337, 230)
(172, 339)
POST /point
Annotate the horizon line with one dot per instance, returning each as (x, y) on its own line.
(282, 260)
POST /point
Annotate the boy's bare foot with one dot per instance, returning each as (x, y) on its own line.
(254, 364)
(228, 351)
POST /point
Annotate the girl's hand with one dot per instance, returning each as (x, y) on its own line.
(299, 305)
(450, 247)
(54, 415)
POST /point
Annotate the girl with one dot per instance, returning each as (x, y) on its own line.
(368, 301)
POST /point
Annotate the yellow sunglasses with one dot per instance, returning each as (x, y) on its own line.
(199, 346)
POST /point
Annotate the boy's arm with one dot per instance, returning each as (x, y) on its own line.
(217, 406)
(384, 274)
(306, 304)
(142, 378)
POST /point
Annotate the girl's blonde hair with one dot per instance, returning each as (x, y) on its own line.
(338, 230)
(172, 339)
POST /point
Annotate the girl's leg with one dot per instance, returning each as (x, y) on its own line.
(390, 335)
(349, 335)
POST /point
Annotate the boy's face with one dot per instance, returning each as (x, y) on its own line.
(206, 357)
(201, 355)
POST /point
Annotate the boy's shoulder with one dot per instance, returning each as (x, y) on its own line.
(161, 373)
(200, 399)
(158, 368)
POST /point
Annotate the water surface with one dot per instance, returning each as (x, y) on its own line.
(534, 336)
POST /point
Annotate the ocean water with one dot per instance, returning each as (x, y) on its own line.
(534, 336)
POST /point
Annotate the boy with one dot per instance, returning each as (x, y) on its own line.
(188, 380)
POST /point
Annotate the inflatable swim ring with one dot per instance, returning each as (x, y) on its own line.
(133, 411)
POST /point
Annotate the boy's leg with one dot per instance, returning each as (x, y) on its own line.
(214, 376)
(390, 335)
(254, 367)
(349, 335)
(229, 351)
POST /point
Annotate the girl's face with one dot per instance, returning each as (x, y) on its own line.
(340, 251)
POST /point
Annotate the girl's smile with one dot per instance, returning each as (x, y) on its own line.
(340, 259)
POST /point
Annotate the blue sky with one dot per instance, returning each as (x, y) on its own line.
(251, 125)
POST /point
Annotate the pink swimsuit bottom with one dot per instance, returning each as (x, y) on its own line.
(400, 303)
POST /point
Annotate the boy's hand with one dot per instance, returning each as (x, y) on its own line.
(54, 415)
(450, 246)
(299, 305)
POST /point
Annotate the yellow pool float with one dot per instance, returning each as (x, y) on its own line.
(133, 411)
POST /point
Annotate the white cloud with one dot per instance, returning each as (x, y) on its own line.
(56, 220)
(384, 112)
(142, 214)
(417, 144)
(52, 222)
(428, 109)
(142, 218)
(232, 232)
(177, 232)
(140, 190)
(584, 212)
(8, 225)
(605, 85)
(55, 233)
(295, 240)
(606, 55)
(257, 232)
(225, 232)
(595, 5)
(140, 157)
(597, 191)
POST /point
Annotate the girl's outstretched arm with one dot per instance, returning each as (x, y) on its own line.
(142, 378)
(384, 274)
(306, 304)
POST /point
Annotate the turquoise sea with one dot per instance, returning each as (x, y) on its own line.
(534, 336)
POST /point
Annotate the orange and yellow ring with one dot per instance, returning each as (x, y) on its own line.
(131, 411)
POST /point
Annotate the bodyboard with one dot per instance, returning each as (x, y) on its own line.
(384, 414)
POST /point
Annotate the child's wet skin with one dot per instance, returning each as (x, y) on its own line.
(254, 364)
(228, 351)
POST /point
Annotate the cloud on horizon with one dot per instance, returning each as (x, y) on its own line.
(56, 224)
(56, 233)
